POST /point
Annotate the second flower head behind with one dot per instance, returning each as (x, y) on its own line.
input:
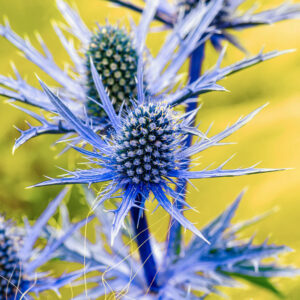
(145, 152)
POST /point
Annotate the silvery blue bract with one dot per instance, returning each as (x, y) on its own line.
(144, 153)
(20, 258)
(115, 54)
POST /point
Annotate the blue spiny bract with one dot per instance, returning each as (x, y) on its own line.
(115, 59)
(134, 132)
(10, 265)
(185, 6)
(147, 143)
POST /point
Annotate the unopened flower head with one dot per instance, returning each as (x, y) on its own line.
(115, 58)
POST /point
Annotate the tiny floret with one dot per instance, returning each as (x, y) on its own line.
(142, 159)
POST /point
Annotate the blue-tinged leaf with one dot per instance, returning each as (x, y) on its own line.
(260, 282)
(53, 245)
(128, 200)
(47, 64)
(106, 103)
(54, 284)
(219, 172)
(82, 177)
(147, 17)
(86, 132)
(77, 26)
(174, 212)
(35, 232)
(208, 80)
(214, 140)
(214, 230)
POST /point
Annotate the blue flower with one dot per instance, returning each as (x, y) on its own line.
(227, 16)
(20, 259)
(199, 268)
(144, 153)
(115, 54)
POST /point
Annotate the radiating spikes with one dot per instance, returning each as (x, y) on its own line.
(106, 103)
(35, 231)
(207, 82)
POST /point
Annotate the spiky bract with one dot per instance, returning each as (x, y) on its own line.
(115, 59)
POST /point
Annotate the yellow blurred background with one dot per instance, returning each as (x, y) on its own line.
(273, 137)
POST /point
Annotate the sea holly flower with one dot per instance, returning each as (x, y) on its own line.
(115, 53)
(228, 17)
(21, 258)
(143, 154)
(200, 269)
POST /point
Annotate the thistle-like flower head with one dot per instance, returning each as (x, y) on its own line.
(145, 152)
(20, 258)
(116, 59)
(146, 145)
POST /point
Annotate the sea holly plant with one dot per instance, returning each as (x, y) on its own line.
(115, 53)
(120, 103)
(229, 16)
(144, 155)
(21, 255)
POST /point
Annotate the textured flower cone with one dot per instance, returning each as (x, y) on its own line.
(115, 59)
(147, 144)
(10, 267)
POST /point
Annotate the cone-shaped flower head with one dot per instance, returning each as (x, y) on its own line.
(116, 59)
(146, 145)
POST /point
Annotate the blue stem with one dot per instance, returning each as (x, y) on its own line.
(174, 244)
(142, 238)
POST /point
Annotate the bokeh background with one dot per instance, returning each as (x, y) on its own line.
(273, 137)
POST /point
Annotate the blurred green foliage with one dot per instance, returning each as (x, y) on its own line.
(272, 137)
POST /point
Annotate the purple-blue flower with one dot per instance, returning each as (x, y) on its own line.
(144, 154)
(116, 54)
(21, 258)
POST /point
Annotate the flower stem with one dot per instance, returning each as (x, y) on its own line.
(142, 238)
(174, 243)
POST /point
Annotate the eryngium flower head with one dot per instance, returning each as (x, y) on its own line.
(144, 153)
(116, 59)
(10, 264)
(20, 258)
(146, 145)
(199, 269)
(161, 71)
